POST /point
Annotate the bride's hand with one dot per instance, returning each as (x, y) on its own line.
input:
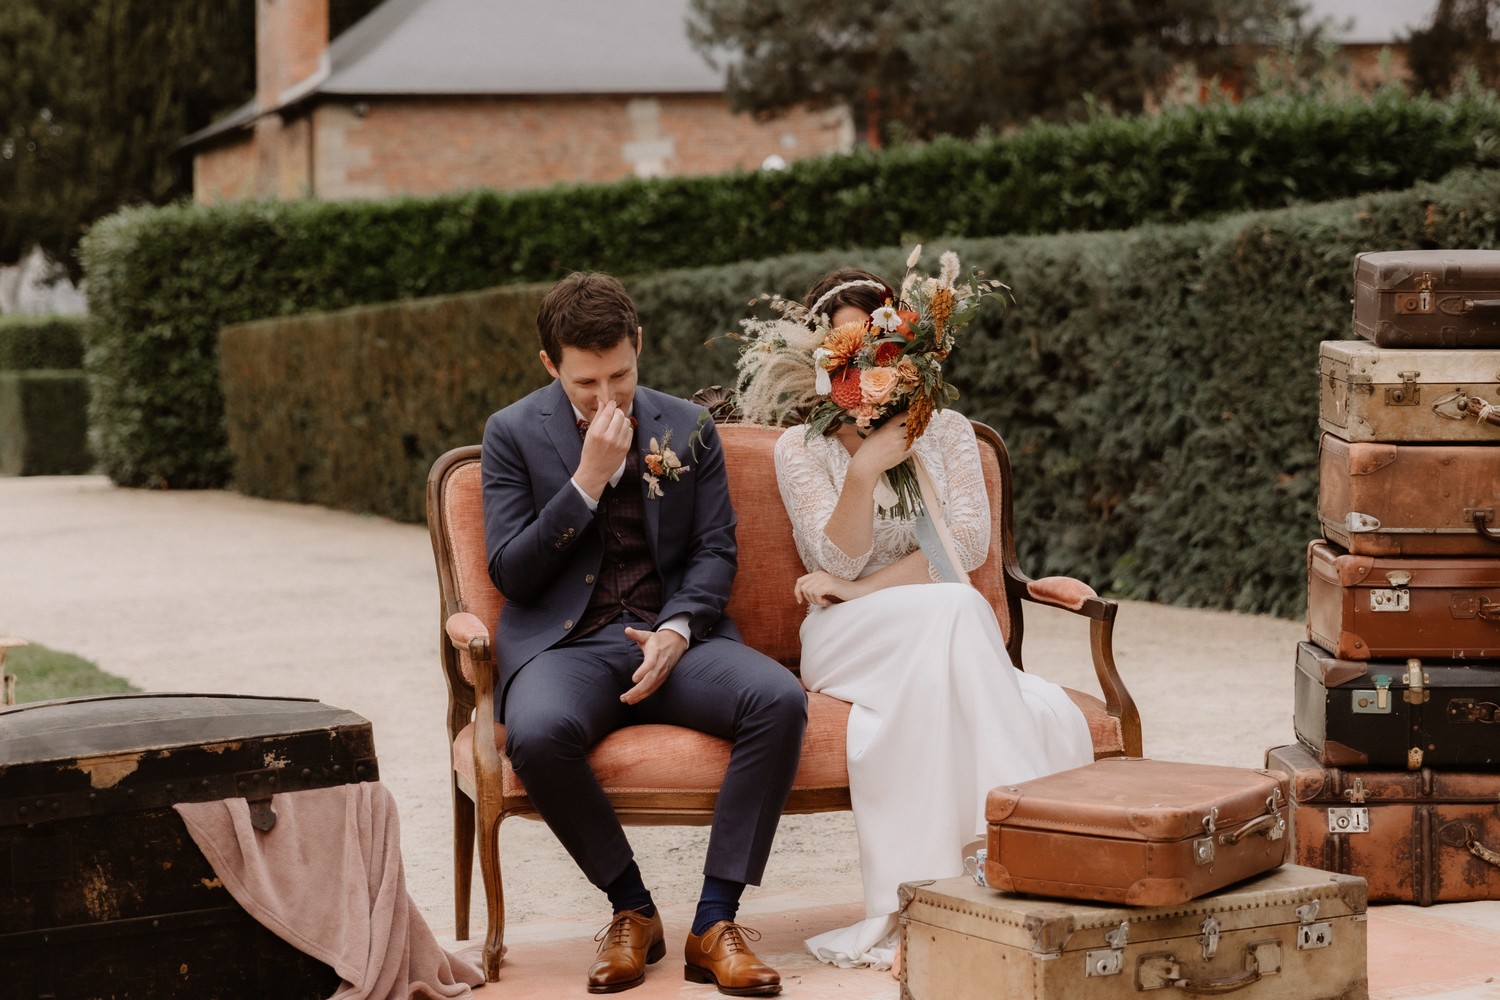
(883, 449)
(823, 588)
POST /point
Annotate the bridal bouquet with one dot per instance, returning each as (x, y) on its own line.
(869, 371)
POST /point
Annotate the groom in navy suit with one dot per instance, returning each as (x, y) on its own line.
(609, 532)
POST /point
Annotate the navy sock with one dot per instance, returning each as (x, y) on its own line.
(720, 900)
(628, 892)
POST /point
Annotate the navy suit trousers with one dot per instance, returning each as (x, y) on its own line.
(567, 699)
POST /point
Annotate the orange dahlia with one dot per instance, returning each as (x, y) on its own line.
(842, 344)
(846, 391)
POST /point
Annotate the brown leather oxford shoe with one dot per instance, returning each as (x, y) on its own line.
(627, 945)
(723, 957)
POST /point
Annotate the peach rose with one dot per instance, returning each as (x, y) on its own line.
(878, 384)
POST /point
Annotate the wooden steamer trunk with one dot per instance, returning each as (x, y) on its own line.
(1292, 934)
(1428, 298)
(102, 891)
(1419, 837)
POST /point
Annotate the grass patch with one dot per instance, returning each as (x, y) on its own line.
(43, 674)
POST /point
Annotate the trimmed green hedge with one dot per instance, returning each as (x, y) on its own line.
(43, 423)
(164, 281)
(1157, 387)
(41, 342)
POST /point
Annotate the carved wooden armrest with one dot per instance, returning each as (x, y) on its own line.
(476, 661)
(1060, 592)
(472, 640)
(1080, 599)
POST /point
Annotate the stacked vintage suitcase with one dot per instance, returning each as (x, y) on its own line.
(1396, 774)
(1180, 870)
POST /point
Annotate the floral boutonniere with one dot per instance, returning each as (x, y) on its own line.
(662, 463)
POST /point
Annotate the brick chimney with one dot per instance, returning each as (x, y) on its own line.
(291, 44)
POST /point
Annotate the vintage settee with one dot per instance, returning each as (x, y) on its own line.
(667, 774)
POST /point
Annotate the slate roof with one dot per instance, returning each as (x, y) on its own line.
(482, 47)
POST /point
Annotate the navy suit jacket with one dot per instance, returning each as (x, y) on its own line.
(543, 543)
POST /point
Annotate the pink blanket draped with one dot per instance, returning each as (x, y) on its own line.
(328, 880)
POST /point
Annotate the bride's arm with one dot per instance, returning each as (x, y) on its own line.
(823, 588)
(810, 496)
(851, 526)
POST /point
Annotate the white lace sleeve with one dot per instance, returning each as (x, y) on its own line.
(966, 503)
(810, 493)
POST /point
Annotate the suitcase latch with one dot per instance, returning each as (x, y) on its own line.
(257, 787)
(1348, 819)
(1419, 300)
(1356, 793)
(1389, 599)
(1312, 935)
(1209, 938)
(1108, 961)
(1416, 680)
(1464, 710)
(1408, 393)
(1377, 702)
(1203, 847)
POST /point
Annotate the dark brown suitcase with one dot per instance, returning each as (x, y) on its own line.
(1419, 837)
(1137, 831)
(1361, 713)
(1377, 607)
(1428, 298)
(102, 891)
(1384, 499)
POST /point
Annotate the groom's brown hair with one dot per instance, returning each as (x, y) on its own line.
(587, 310)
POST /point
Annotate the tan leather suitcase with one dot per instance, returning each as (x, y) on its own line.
(1371, 393)
(1381, 499)
(1292, 934)
(1137, 831)
(1428, 298)
(1426, 607)
(1418, 837)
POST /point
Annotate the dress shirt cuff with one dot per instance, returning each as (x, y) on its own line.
(678, 623)
(588, 501)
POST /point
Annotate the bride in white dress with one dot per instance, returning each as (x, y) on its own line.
(940, 715)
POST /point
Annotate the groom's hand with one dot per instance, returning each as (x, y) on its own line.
(660, 652)
(604, 446)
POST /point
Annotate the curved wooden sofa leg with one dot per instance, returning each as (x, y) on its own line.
(494, 894)
(463, 860)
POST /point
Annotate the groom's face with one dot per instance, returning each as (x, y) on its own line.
(592, 378)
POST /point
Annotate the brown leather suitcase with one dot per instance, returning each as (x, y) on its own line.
(1428, 298)
(1369, 713)
(1372, 393)
(103, 892)
(1418, 837)
(1291, 934)
(1133, 830)
(1382, 499)
(1427, 607)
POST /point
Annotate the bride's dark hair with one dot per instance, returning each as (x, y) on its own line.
(850, 286)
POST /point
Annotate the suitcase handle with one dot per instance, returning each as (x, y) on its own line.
(1477, 408)
(1154, 972)
(1477, 849)
(1481, 518)
(1260, 824)
(1482, 307)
